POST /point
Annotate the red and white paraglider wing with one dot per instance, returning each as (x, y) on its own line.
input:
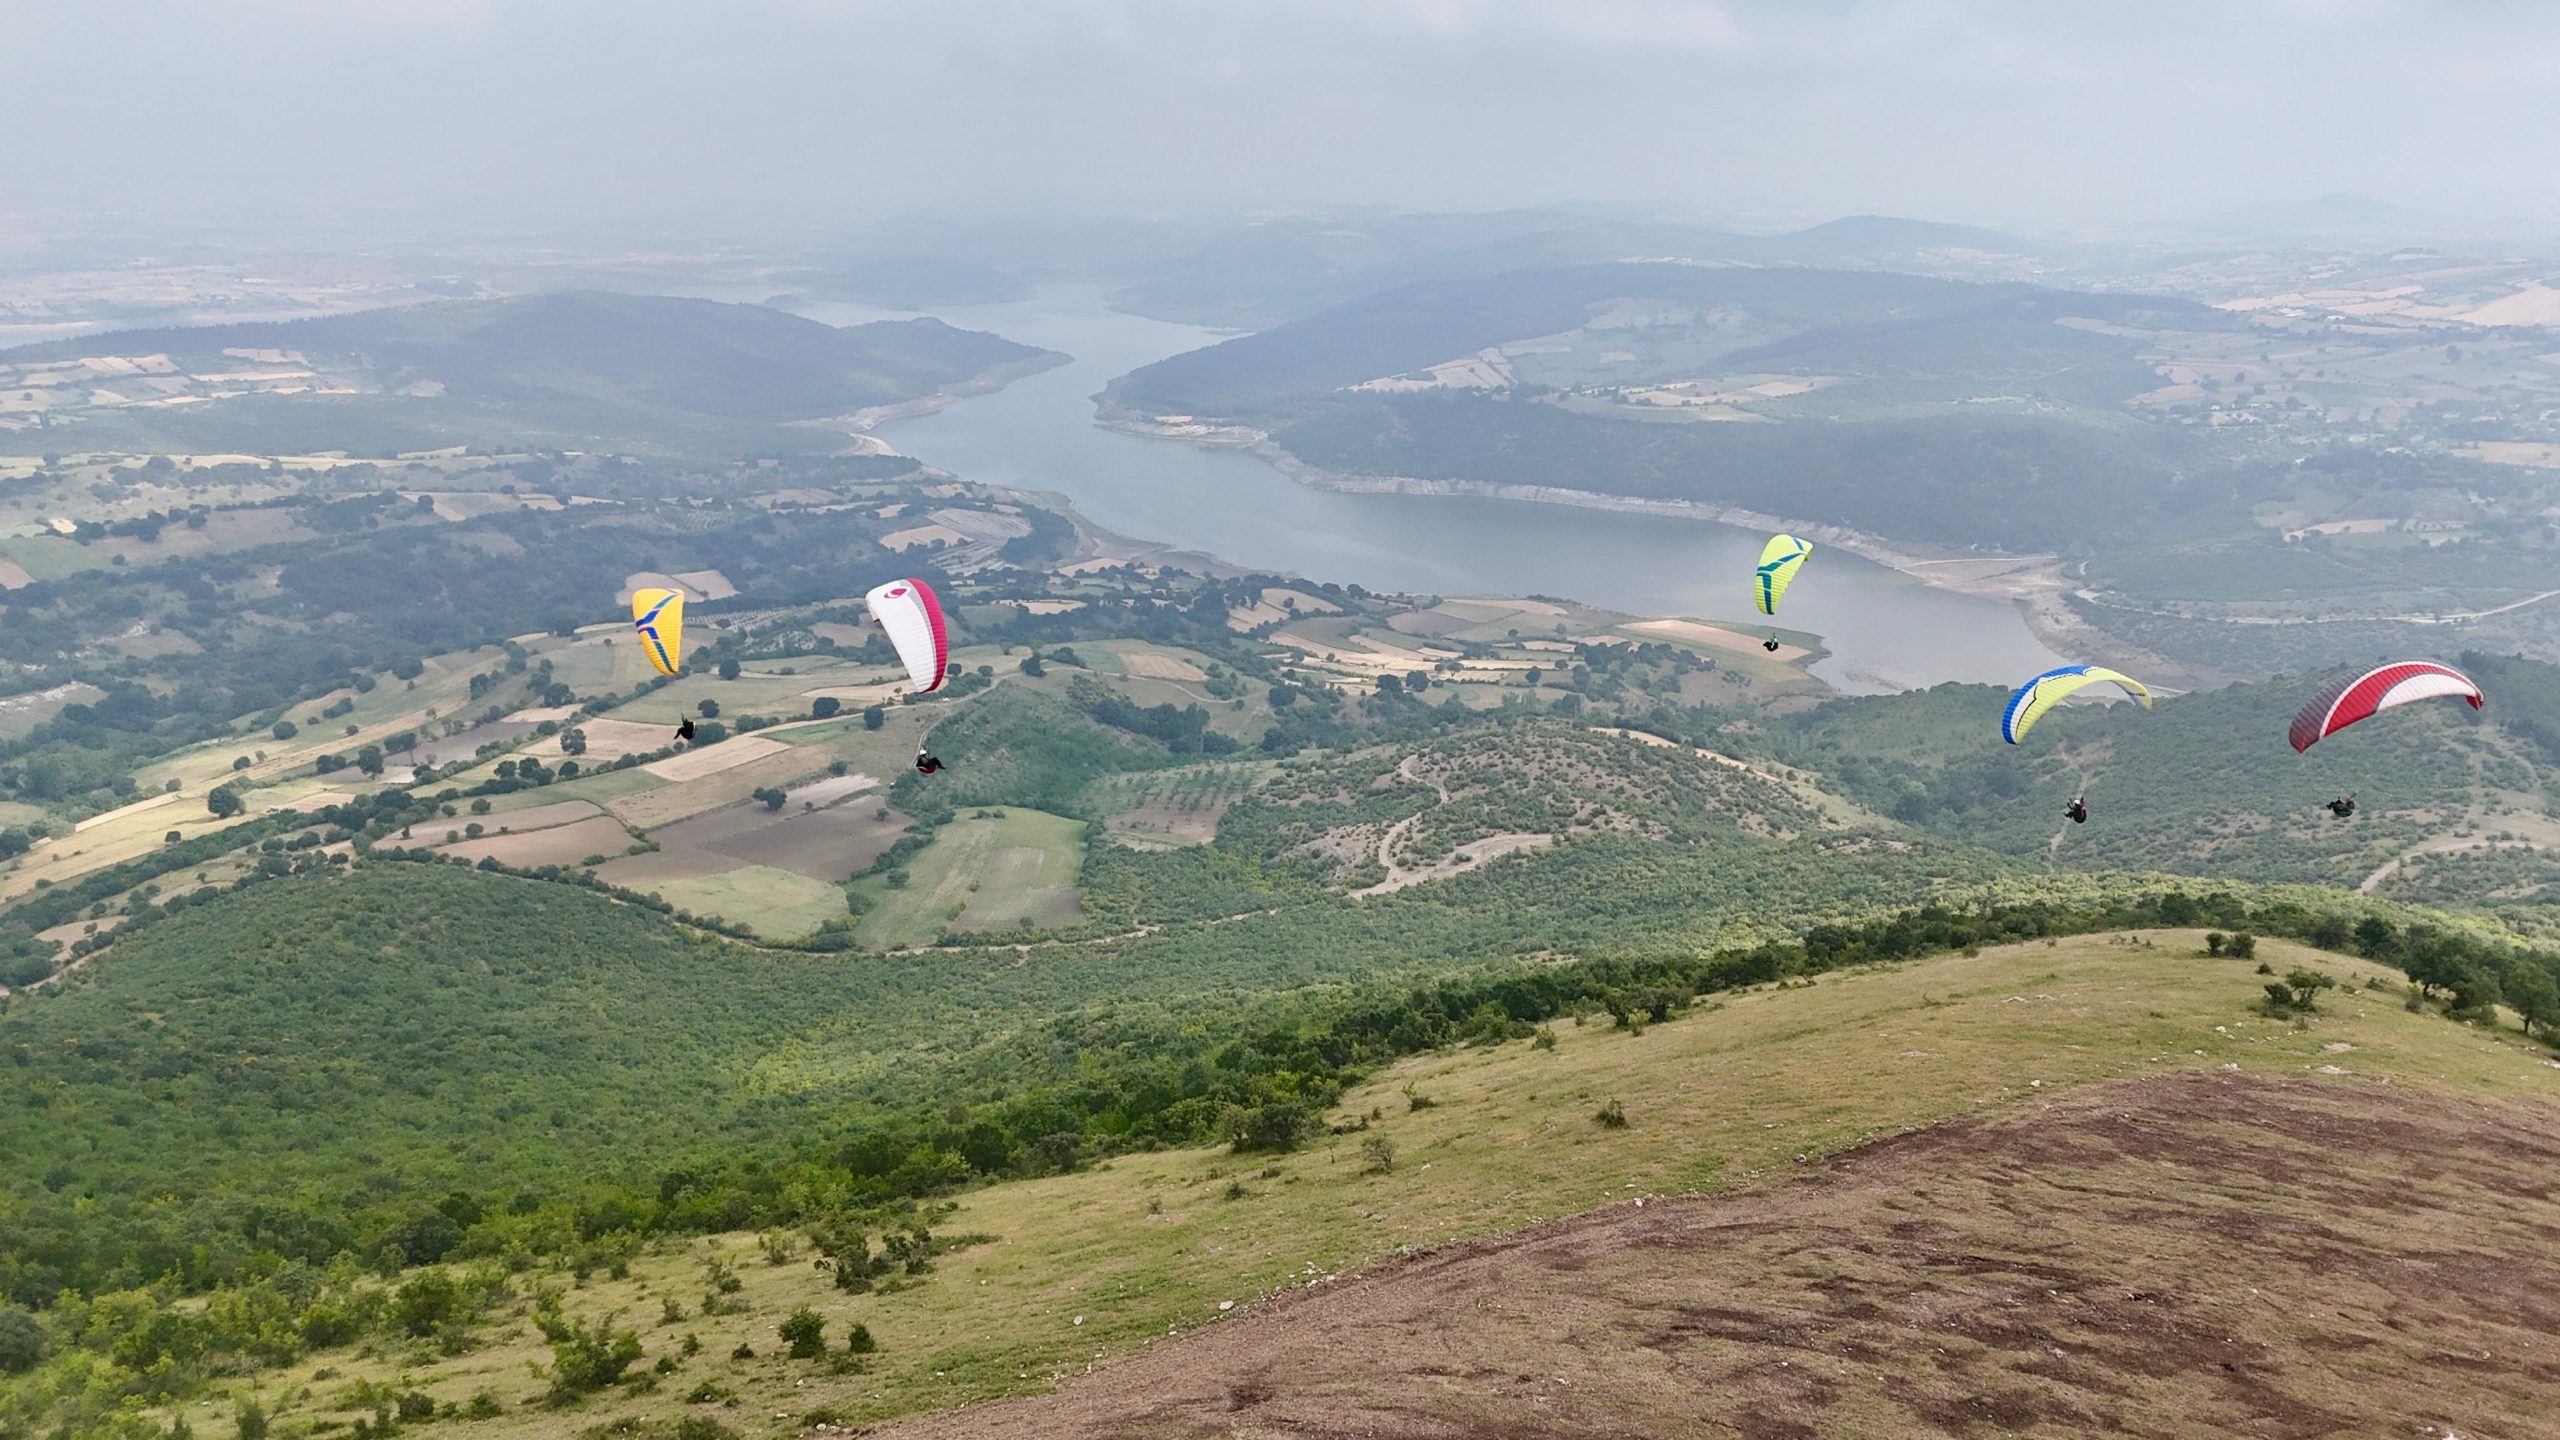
(912, 617)
(2384, 687)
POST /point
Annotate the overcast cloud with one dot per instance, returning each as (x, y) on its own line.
(745, 113)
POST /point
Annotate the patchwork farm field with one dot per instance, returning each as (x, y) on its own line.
(986, 870)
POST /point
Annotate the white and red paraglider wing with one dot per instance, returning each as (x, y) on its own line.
(2382, 688)
(911, 616)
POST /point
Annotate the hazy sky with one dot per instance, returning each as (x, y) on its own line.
(543, 112)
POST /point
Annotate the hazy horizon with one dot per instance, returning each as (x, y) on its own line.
(295, 117)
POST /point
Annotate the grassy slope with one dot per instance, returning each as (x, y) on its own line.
(1150, 1245)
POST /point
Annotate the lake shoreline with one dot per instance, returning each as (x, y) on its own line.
(860, 423)
(1990, 576)
(2031, 584)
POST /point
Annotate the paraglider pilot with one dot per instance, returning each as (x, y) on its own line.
(2342, 808)
(1770, 644)
(2078, 810)
(684, 729)
(927, 764)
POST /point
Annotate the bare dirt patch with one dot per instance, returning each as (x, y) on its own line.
(2201, 1255)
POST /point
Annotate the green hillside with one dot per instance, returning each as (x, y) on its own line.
(640, 371)
(1472, 1139)
(1193, 877)
(2205, 784)
(2026, 481)
(1836, 315)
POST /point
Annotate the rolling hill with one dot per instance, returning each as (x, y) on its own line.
(1273, 271)
(1729, 311)
(647, 371)
(364, 1103)
(1924, 1199)
(1932, 410)
(2456, 807)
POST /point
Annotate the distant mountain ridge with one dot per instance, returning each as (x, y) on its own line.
(704, 356)
(1429, 322)
(1289, 269)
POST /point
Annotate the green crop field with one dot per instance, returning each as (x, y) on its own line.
(775, 904)
(1014, 869)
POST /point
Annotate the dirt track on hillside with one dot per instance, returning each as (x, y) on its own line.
(2207, 1255)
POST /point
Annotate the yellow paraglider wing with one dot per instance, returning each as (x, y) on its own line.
(1780, 559)
(659, 617)
(2055, 686)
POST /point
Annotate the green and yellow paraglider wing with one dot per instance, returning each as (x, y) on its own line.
(2055, 686)
(658, 615)
(1780, 559)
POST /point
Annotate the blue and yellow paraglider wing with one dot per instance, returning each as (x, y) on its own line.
(1780, 559)
(2053, 687)
(658, 616)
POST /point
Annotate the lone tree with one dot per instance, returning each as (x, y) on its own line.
(874, 717)
(1278, 1127)
(2535, 995)
(586, 1357)
(2298, 993)
(729, 669)
(224, 802)
(805, 1331)
(709, 709)
(772, 797)
(825, 707)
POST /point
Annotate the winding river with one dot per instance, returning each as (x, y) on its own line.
(1885, 630)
